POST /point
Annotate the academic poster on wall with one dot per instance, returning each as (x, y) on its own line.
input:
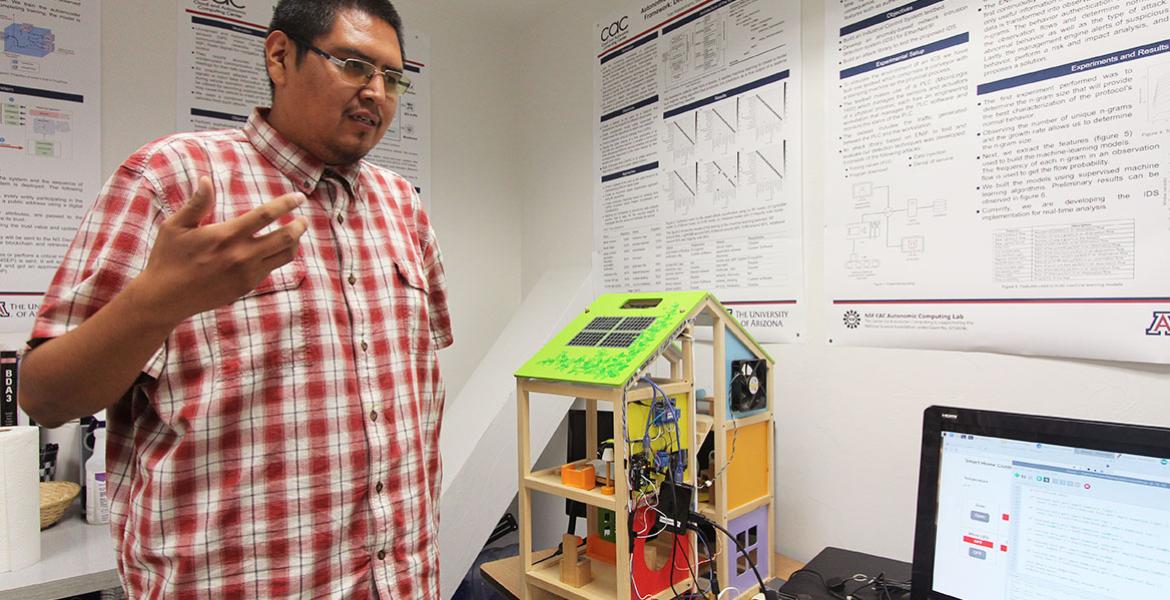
(221, 78)
(50, 143)
(697, 155)
(997, 176)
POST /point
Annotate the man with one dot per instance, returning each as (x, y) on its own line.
(259, 312)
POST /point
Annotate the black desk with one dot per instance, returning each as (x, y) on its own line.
(835, 562)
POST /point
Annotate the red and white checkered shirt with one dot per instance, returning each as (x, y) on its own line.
(286, 444)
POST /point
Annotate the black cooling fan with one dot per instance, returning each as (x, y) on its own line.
(749, 385)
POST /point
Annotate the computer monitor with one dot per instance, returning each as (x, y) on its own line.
(1017, 507)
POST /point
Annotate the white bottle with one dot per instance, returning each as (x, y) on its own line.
(97, 507)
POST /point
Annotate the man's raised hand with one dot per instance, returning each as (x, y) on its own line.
(194, 268)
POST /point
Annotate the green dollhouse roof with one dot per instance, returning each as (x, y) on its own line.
(609, 342)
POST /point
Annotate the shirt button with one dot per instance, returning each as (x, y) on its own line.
(365, 347)
(373, 415)
(378, 488)
(352, 280)
(340, 219)
(307, 184)
(381, 555)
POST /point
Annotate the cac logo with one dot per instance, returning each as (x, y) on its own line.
(615, 29)
(1160, 324)
(231, 3)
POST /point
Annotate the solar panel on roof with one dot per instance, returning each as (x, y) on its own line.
(587, 339)
(603, 323)
(618, 340)
(635, 323)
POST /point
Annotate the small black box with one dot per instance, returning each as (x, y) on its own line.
(674, 501)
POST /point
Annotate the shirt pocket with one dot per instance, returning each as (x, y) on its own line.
(410, 298)
(261, 335)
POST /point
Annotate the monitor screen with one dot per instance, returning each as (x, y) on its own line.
(1016, 507)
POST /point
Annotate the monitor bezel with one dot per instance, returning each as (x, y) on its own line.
(1091, 435)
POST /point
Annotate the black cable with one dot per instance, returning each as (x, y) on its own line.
(673, 503)
(824, 582)
(880, 584)
(742, 550)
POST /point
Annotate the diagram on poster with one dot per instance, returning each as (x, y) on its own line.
(50, 144)
(996, 164)
(696, 151)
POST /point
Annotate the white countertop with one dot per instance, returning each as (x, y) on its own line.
(76, 558)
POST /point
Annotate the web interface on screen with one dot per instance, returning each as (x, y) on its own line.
(1027, 521)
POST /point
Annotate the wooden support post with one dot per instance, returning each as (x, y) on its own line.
(524, 459)
(688, 374)
(726, 558)
(771, 469)
(621, 493)
(590, 453)
(575, 569)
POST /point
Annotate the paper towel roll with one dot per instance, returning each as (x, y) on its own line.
(68, 450)
(20, 498)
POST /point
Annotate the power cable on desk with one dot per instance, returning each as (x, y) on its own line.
(883, 587)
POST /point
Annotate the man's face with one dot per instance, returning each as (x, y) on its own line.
(334, 119)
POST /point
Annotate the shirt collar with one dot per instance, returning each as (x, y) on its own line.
(302, 168)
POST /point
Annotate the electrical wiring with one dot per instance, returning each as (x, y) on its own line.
(645, 491)
(734, 436)
(742, 550)
(665, 409)
(883, 587)
(728, 589)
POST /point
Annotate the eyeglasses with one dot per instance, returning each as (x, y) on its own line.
(360, 72)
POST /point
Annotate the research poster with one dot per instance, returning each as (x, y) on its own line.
(996, 176)
(697, 155)
(50, 143)
(221, 77)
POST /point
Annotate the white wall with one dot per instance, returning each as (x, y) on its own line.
(849, 419)
(476, 200)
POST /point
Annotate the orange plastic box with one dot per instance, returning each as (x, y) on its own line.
(579, 476)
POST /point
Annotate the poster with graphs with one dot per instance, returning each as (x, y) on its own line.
(697, 155)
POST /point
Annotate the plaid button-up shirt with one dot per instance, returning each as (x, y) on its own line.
(286, 444)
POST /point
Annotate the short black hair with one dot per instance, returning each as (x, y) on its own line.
(306, 20)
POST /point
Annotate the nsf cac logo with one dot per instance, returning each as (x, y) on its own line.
(224, 4)
(614, 30)
(1160, 324)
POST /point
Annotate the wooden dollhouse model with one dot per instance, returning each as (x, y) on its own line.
(675, 452)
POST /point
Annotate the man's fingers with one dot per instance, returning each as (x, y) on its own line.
(201, 203)
(280, 247)
(266, 214)
(281, 240)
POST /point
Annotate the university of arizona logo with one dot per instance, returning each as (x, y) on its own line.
(1161, 323)
(4, 309)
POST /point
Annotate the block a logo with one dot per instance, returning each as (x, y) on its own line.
(1160, 324)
